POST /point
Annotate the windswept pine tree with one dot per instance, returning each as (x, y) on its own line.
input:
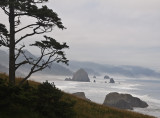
(45, 20)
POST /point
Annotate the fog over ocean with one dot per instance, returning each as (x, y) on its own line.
(147, 89)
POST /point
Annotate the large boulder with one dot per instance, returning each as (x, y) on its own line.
(123, 101)
(81, 75)
(81, 95)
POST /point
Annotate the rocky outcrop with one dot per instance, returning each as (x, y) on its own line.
(81, 95)
(81, 75)
(106, 77)
(123, 101)
(68, 79)
(112, 80)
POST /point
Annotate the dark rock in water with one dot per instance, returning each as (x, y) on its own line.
(123, 101)
(106, 77)
(81, 95)
(112, 80)
(68, 79)
(81, 75)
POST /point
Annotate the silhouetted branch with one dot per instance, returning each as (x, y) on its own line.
(20, 64)
(19, 52)
(5, 11)
(44, 30)
(28, 26)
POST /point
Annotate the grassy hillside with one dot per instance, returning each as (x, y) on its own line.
(83, 108)
(86, 109)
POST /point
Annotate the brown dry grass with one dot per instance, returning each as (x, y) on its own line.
(18, 79)
(86, 109)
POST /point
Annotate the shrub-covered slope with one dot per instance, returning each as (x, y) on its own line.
(35, 100)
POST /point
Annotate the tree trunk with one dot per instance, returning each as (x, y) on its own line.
(12, 44)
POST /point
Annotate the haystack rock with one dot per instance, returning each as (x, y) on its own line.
(81, 75)
(123, 101)
(106, 77)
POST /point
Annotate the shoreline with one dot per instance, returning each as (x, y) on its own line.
(101, 89)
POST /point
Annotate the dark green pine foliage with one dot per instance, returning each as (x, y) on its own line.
(45, 19)
(28, 102)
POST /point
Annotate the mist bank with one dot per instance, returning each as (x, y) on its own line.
(122, 70)
(90, 67)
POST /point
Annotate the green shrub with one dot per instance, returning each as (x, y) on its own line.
(43, 102)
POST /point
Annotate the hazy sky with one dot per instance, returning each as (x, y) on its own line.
(111, 31)
(115, 32)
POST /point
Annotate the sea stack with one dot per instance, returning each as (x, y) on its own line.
(112, 80)
(106, 77)
(81, 75)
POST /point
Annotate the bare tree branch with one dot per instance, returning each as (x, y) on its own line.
(28, 26)
(33, 33)
(40, 64)
(20, 64)
(5, 11)
(19, 52)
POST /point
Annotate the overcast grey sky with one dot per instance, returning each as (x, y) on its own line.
(111, 31)
(119, 32)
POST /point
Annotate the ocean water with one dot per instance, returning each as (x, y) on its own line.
(146, 89)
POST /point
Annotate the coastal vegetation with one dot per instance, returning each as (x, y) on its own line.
(43, 21)
(44, 100)
(32, 100)
(23, 98)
